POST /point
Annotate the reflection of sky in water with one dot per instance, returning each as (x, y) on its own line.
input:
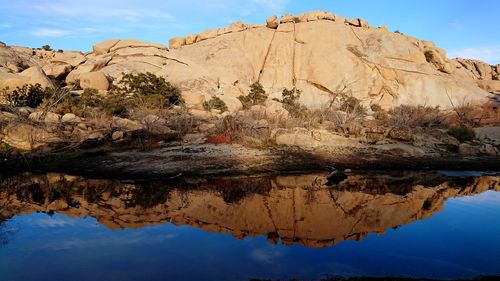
(460, 241)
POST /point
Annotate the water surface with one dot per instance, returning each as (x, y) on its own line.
(58, 227)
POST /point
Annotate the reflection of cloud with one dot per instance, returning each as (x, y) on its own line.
(266, 255)
(133, 238)
(48, 222)
(490, 54)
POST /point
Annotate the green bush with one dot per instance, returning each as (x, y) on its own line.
(291, 103)
(462, 133)
(27, 95)
(148, 84)
(215, 103)
(90, 98)
(256, 96)
(350, 104)
(114, 106)
(46, 48)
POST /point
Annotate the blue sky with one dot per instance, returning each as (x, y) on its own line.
(463, 28)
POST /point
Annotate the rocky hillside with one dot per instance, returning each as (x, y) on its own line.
(318, 52)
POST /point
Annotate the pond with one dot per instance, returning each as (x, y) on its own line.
(411, 224)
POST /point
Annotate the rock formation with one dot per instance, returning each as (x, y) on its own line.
(317, 52)
(295, 209)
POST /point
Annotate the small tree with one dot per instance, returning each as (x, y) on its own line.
(215, 103)
(256, 96)
(291, 103)
(149, 85)
(46, 48)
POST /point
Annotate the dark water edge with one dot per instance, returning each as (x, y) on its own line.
(368, 278)
(99, 163)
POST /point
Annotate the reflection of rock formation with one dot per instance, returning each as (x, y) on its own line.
(297, 209)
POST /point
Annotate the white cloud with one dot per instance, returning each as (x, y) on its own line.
(49, 32)
(489, 54)
(5, 26)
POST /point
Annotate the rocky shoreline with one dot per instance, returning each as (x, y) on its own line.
(210, 160)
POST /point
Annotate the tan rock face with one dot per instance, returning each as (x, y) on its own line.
(31, 76)
(94, 80)
(27, 137)
(316, 52)
(104, 47)
(70, 57)
(176, 43)
(57, 70)
(272, 22)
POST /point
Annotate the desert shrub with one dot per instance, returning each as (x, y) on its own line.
(46, 48)
(60, 101)
(379, 113)
(290, 101)
(350, 104)
(60, 51)
(256, 96)
(462, 133)
(148, 84)
(114, 105)
(22, 66)
(69, 104)
(417, 116)
(376, 108)
(343, 108)
(215, 103)
(27, 95)
(6, 149)
(90, 98)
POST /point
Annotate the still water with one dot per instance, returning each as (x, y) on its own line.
(59, 227)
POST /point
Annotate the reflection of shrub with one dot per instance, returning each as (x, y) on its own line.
(462, 133)
(215, 103)
(256, 96)
(148, 84)
(27, 95)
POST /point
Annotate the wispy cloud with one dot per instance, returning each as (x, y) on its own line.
(489, 54)
(49, 32)
(5, 26)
